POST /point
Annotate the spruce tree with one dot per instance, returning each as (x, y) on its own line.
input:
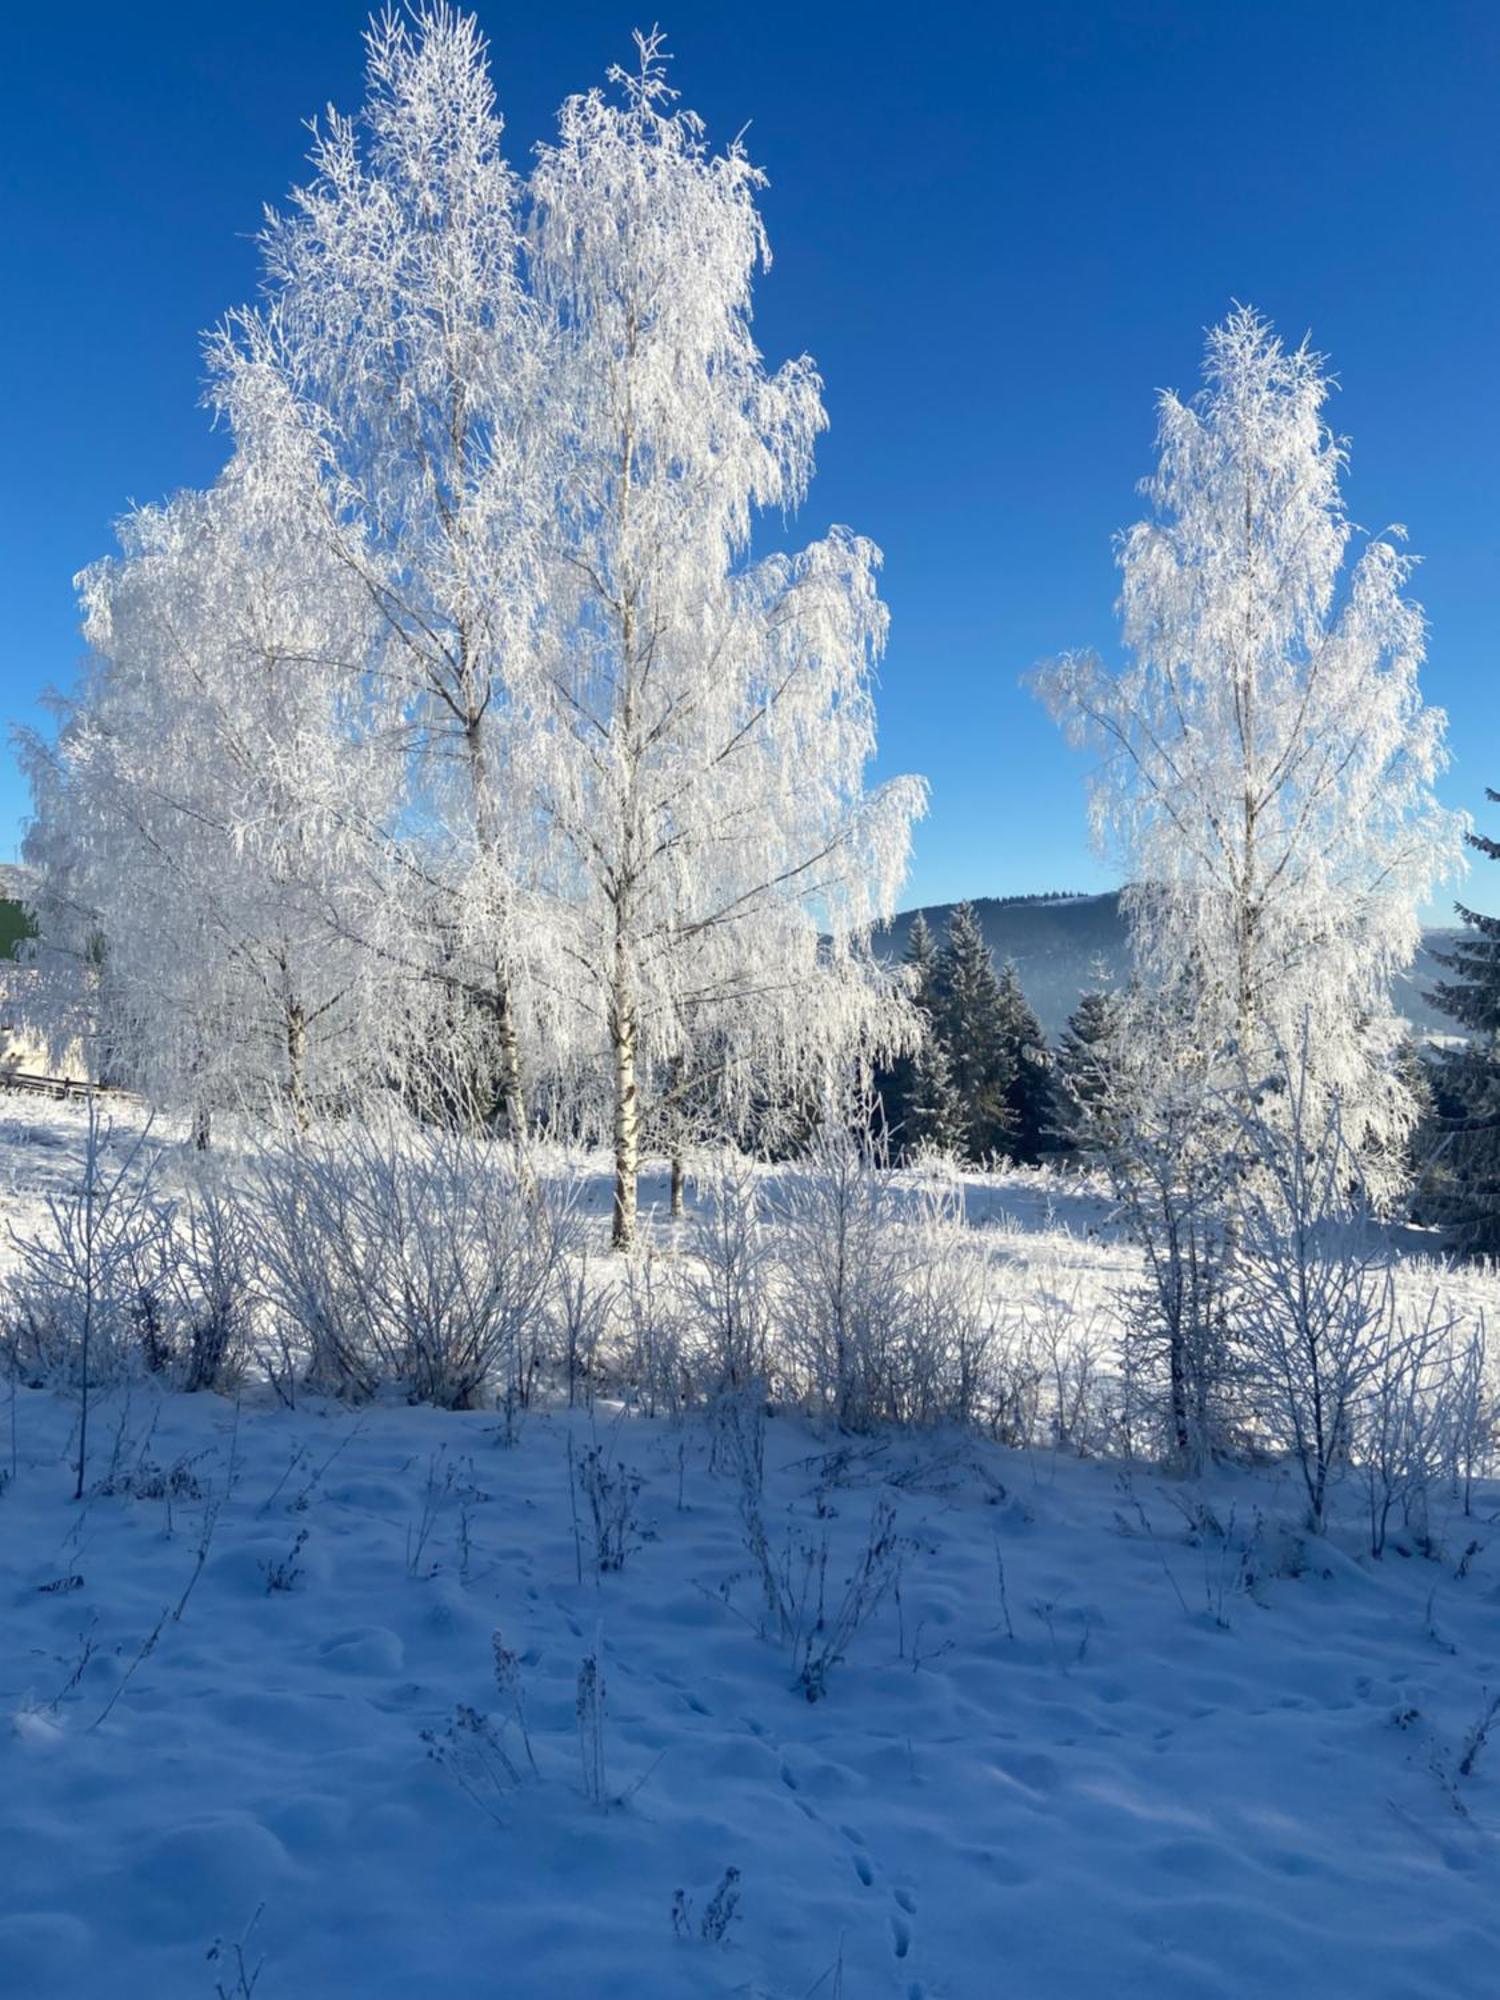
(1085, 1056)
(1030, 1092)
(921, 957)
(934, 1117)
(895, 1085)
(970, 1020)
(1464, 1181)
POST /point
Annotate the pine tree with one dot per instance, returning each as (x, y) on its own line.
(1030, 1092)
(970, 1021)
(1464, 1179)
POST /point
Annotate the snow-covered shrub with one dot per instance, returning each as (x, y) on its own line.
(580, 1309)
(818, 1625)
(417, 1256)
(472, 1750)
(608, 1490)
(883, 1304)
(723, 1908)
(654, 1354)
(1424, 1419)
(1314, 1301)
(312, 1265)
(1466, 1414)
(213, 1279)
(284, 1573)
(940, 1368)
(1051, 1382)
(88, 1297)
(1170, 1166)
(737, 1427)
(839, 1247)
(1336, 1365)
(727, 1280)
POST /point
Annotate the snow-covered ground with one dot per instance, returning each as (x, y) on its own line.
(1109, 1735)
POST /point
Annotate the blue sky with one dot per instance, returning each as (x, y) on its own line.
(998, 228)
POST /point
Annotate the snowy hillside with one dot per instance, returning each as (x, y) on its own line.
(318, 1679)
(1061, 943)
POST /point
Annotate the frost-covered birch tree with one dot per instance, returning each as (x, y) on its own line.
(1266, 761)
(199, 829)
(623, 816)
(702, 721)
(399, 331)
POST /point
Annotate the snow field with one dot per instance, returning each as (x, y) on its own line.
(1162, 1760)
(1104, 1733)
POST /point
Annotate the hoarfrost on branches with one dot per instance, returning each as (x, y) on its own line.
(1266, 761)
(584, 829)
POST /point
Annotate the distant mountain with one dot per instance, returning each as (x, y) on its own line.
(1064, 945)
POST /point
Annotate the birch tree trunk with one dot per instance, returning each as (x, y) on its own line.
(510, 1094)
(676, 1123)
(296, 1065)
(622, 1028)
(512, 1098)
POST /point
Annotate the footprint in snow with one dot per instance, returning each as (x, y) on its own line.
(863, 1867)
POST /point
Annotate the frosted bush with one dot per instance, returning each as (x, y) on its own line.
(88, 1295)
(581, 1308)
(942, 1350)
(1425, 1419)
(656, 1358)
(727, 1282)
(420, 1257)
(212, 1284)
(839, 1300)
(1056, 1382)
(882, 1308)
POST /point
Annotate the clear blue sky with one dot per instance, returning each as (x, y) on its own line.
(999, 228)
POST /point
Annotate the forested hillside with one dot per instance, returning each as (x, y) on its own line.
(1059, 943)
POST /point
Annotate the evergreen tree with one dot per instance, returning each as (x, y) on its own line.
(896, 1085)
(1464, 1173)
(971, 1021)
(1416, 1070)
(1085, 1059)
(1472, 998)
(921, 956)
(934, 1116)
(1030, 1092)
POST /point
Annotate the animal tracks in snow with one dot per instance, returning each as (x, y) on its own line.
(1232, 1809)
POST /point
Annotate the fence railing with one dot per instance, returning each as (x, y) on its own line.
(43, 1086)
